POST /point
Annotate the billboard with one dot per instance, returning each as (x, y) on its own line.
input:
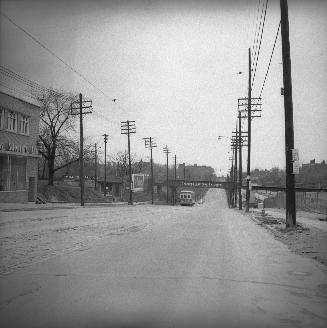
(138, 182)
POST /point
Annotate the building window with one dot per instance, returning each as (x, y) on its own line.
(12, 173)
(2, 117)
(24, 124)
(12, 122)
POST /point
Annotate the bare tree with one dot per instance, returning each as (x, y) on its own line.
(58, 146)
(121, 160)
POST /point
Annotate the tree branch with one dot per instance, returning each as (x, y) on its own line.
(64, 165)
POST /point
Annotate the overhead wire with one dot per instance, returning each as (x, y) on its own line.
(52, 53)
(257, 28)
(36, 90)
(258, 52)
(255, 24)
(26, 94)
(34, 87)
(257, 35)
(272, 53)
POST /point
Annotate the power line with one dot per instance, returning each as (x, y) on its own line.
(257, 33)
(37, 88)
(34, 86)
(256, 26)
(256, 64)
(52, 53)
(272, 52)
(21, 79)
(18, 91)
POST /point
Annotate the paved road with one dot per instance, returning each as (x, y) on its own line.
(175, 266)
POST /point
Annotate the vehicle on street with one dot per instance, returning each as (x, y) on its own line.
(187, 197)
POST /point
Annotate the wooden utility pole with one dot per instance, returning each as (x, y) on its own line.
(232, 180)
(79, 111)
(175, 177)
(184, 171)
(128, 127)
(254, 106)
(235, 174)
(150, 143)
(152, 177)
(95, 166)
(240, 161)
(288, 109)
(81, 150)
(166, 151)
(105, 164)
(248, 172)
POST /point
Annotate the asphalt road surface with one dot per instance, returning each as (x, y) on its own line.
(201, 266)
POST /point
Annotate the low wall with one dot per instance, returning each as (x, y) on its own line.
(20, 196)
(305, 201)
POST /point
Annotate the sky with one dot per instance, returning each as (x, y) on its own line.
(174, 67)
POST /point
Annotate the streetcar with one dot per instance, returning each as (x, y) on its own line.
(187, 197)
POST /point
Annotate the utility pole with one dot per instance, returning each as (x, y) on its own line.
(255, 112)
(95, 166)
(74, 111)
(288, 109)
(166, 151)
(240, 162)
(235, 175)
(105, 164)
(184, 170)
(150, 143)
(234, 146)
(248, 176)
(128, 127)
(231, 180)
(240, 138)
(175, 177)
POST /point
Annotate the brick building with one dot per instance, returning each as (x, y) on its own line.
(19, 130)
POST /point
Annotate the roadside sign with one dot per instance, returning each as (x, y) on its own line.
(296, 167)
(295, 155)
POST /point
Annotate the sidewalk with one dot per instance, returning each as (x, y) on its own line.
(308, 238)
(30, 206)
(307, 219)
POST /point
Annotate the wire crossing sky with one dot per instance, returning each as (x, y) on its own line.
(173, 67)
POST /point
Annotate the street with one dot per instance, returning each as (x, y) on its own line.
(147, 265)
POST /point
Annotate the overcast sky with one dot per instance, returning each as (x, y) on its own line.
(174, 68)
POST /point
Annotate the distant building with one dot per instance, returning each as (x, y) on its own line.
(313, 164)
(114, 186)
(19, 131)
(195, 172)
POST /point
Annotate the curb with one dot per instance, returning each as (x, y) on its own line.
(71, 206)
(60, 207)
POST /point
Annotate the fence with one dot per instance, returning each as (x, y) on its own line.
(305, 201)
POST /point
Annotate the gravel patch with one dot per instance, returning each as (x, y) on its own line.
(305, 239)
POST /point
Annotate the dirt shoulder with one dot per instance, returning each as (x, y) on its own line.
(309, 238)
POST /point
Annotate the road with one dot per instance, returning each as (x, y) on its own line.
(146, 265)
